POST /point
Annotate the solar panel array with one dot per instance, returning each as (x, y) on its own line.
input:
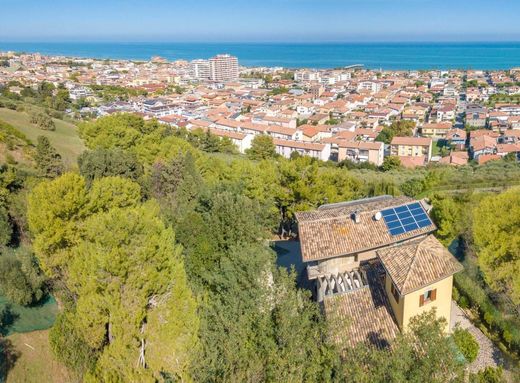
(406, 218)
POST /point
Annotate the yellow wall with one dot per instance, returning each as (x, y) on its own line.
(396, 307)
(408, 306)
(411, 151)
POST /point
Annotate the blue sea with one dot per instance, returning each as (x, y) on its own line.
(406, 56)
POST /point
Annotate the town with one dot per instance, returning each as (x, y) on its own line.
(347, 114)
(212, 222)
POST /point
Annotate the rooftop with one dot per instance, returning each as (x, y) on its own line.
(418, 263)
(363, 315)
(331, 231)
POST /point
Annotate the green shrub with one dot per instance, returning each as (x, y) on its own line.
(505, 327)
(463, 302)
(42, 120)
(455, 294)
(21, 279)
(488, 375)
(466, 343)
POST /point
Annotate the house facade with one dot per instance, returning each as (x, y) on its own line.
(412, 147)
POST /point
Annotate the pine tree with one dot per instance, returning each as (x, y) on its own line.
(48, 161)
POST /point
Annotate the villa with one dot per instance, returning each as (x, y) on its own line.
(375, 265)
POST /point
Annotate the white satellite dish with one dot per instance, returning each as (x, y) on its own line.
(378, 216)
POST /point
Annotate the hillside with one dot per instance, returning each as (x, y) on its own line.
(65, 138)
(15, 147)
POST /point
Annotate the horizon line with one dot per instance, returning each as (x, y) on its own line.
(426, 41)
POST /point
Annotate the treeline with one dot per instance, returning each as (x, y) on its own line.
(45, 94)
(485, 229)
(159, 256)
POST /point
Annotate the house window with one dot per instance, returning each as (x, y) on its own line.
(395, 293)
(427, 297)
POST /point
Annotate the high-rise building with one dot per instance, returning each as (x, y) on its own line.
(200, 69)
(223, 68)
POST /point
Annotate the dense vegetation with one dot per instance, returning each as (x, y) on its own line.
(158, 252)
(484, 230)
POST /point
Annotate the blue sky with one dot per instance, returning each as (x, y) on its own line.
(259, 20)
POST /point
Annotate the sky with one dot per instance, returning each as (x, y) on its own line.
(259, 20)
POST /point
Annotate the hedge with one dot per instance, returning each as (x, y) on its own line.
(472, 294)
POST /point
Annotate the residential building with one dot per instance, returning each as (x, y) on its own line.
(241, 140)
(361, 151)
(311, 149)
(457, 137)
(412, 147)
(306, 75)
(436, 130)
(200, 69)
(374, 264)
(223, 68)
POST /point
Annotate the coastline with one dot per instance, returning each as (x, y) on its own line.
(327, 55)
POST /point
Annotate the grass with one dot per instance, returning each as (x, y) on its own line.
(34, 361)
(65, 138)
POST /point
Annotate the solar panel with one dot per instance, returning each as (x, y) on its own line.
(406, 218)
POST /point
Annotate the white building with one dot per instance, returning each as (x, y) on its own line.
(371, 86)
(223, 68)
(311, 149)
(307, 75)
(200, 69)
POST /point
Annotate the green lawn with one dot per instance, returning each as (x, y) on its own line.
(65, 138)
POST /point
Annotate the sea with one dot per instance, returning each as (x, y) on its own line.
(389, 56)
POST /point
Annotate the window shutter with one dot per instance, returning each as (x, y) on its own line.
(434, 294)
(421, 300)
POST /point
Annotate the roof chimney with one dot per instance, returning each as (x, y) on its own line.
(356, 217)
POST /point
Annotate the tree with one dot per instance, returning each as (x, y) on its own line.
(209, 142)
(140, 277)
(57, 208)
(488, 375)
(511, 157)
(123, 279)
(251, 311)
(226, 145)
(148, 140)
(20, 278)
(6, 230)
(423, 353)
(70, 348)
(496, 232)
(413, 187)
(446, 214)
(391, 163)
(62, 100)
(396, 129)
(262, 147)
(43, 120)
(466, 343)
(100, 163)
(48, 161)
(177, 185)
